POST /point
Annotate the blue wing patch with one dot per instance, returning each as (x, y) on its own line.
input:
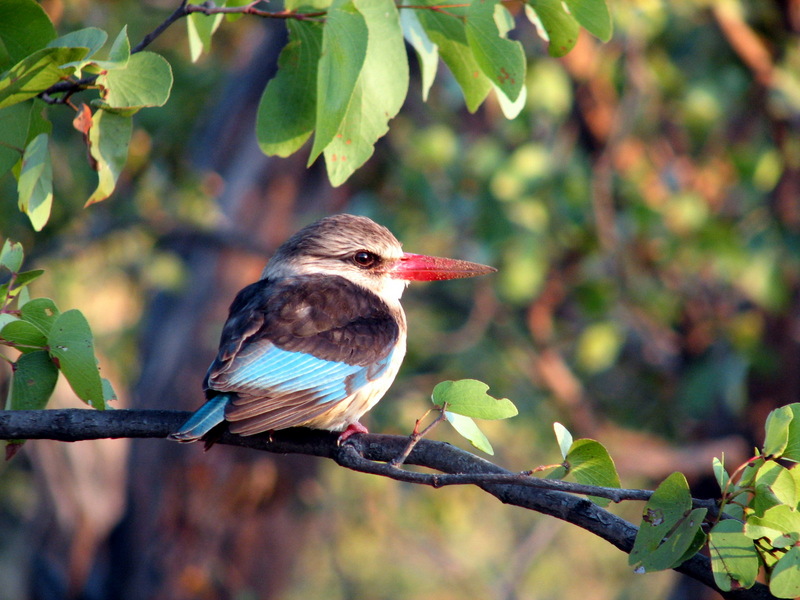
(274, 373)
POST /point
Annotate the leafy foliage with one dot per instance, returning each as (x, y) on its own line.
(342, 76)
(758, 526)
(48, 341)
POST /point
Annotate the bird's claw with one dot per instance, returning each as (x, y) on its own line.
(351, 430)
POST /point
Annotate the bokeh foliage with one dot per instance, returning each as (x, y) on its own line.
(642, 211)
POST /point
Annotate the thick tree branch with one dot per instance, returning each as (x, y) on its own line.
(372, 453)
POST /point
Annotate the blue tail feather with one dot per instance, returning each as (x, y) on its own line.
(208, 416)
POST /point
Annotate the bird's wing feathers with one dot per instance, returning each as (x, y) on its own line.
(291, 350)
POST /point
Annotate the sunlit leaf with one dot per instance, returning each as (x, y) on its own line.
(427, 51)
(146, 80)
(669, 527)
(90, 38)
(37, 72)
(35, 185)
(449, 35)
(344, 50)
(561, 27)
(500, 59)
(201, 28)
(785, 579)
(590, 464)
(593, 15)
(24, 28)
(119, 54)
(109, 138)
(468, 397)
(33, 382)
(792, 449)
(287, 111)
(469, 430)
(11, 256)
(379, 92)
(72, 346)
(25, 336)
(564, 439)
(41, 313)
(734, 559)
(720, 474)
(773, 485)
(779, 524)
(777, 430)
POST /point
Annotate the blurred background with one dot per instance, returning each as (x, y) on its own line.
(643, 214)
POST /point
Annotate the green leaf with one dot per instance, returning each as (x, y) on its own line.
(37, 72)
(25, 277)
(785, 579)
(378, 95)
(468, 397)
(72, 345)
(109, 138)
(449, 35)
(590, 464)
(773, 485)
(25, 336)
(792, 449)
(469, 430)
(593, 15)
(24, 28)
(779, 524)
(108, 392)
(720, 473)
(41, 313)
(344, 50)
(427, 51)
(90, 38)
(750, 471)
(669, 527)
(200, 28)
(564, 439)
(35, 185)
(734, 559)
(11, 256)
(500, 59)
(287, 111)
(13, 134)
(146, 80)
(34, 379)
(777, 430)
(23, 295)
(555, 25)
(119, 54)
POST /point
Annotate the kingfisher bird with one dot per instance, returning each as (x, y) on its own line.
(319, 338)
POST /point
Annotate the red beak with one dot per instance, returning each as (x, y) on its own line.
(418, 267)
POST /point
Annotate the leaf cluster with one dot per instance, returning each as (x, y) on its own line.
(342, 76)
(48, 341)
(757, 528)
(35, 64)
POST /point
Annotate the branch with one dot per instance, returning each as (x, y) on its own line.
(371, 453)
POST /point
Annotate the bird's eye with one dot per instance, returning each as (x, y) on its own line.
(365, 259)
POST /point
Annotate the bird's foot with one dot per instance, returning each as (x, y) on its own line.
(351, 430)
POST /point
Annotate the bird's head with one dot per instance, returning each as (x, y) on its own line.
(365, 253)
